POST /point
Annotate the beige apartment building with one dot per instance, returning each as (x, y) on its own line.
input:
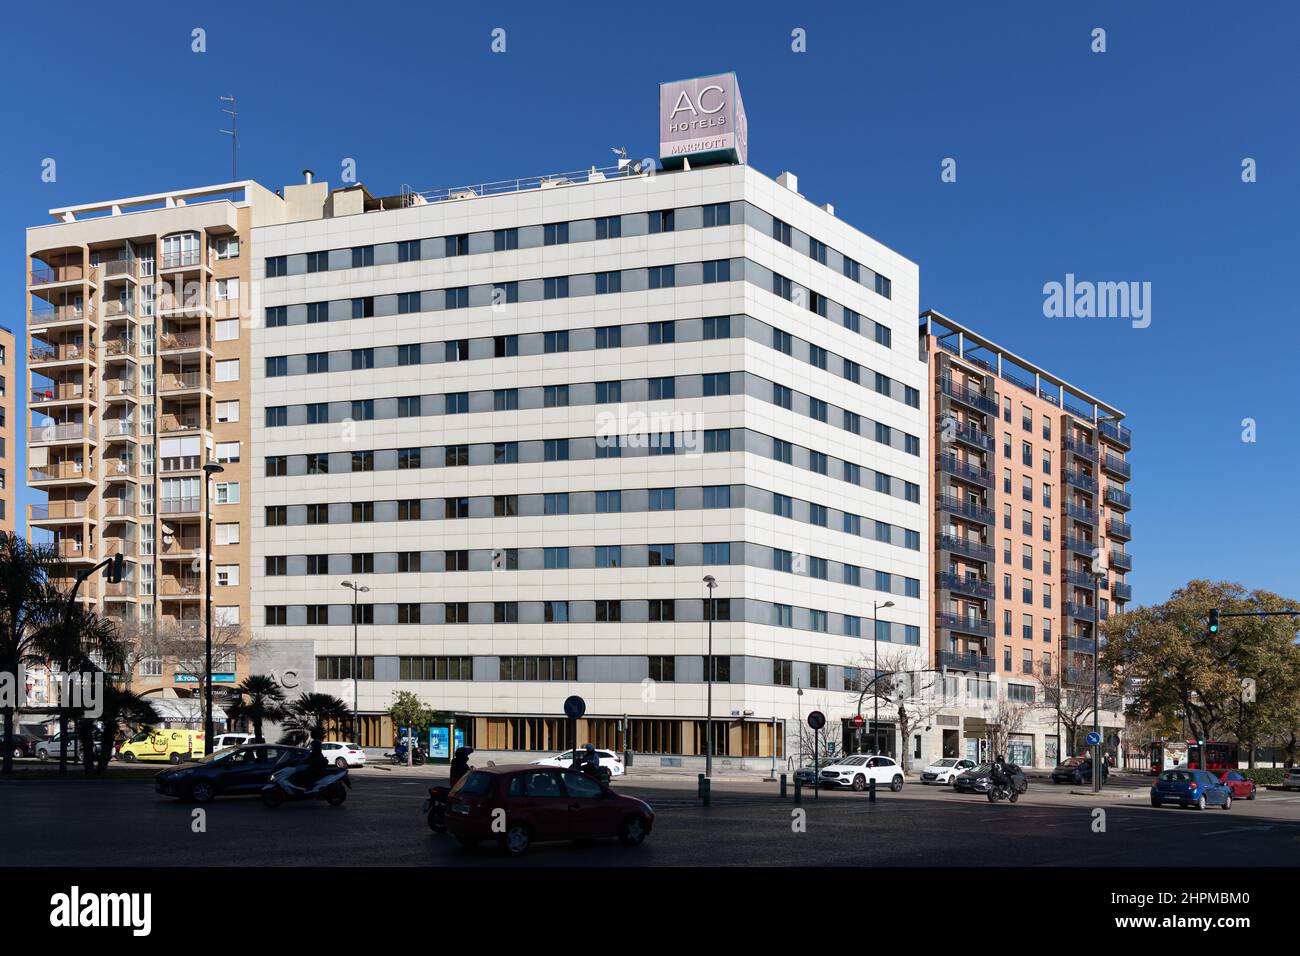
(138, 352)
(8, 477)
(1031, 540)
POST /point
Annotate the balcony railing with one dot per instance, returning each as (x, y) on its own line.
(62, 313)
(180, 586)
(116, 309)
(960, 545)
(176, 260)
(1080, 513)
(1084, 612)
(953, 465)
(1120, 591)
(1078, 579)
(967, 624)
(61, 392)
(119, 507)
(1082, 449)
(1116, 433)
(957, 506)
(1119, 529)
(115, 427)
(1079, 545)
(970, 435)
(966, 584)
(1082, 645)
(179, 423)
(65, 431)
(46, 275)
(60, 510)
(173, 382)
(119, 346)
(119, 386)
(61, 469)
(1117, 466)
(173, 341)
(1120, 499)
(967, 396)
(1122, 560)
(966, 662)
(181, 547)
(121, 267)
(171, 506)
(1080, 480)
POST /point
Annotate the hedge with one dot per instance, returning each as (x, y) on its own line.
(1264, 776)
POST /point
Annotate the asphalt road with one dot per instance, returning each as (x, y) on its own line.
(124, 823)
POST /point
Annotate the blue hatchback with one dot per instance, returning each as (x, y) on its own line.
(1190, 788)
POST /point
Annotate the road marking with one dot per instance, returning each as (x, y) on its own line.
(1235, 830)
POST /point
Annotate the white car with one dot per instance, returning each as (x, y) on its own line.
(947, 770)
(342, 754)
(1292, 779)
(608, 760)
(222, 741)
(857, 772)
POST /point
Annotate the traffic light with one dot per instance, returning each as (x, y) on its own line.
(1214, 620)
(114, 570)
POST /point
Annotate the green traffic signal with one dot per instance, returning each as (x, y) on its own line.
(1214, 621)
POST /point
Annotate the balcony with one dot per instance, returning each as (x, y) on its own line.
(119, 388)
(1120, 591)
(61, 392)
(1117, 433)
(56, 432)
(180, 547)
(119, 309)
(180, 260)
(186, 505)
(967, 435)
(966, 584)
(967, 396)
(1079, 480)
(1117, 466)
(178, 423)
(57, 314)
(1080, 448)
(119, 428)
(1081, 645)
(1079, 545)
(1082, 612)
(967, 624)
(115, 507)
(180, 381)
(121, 468)
(965, 509)
(180, 587)
(61, 471)
(965, 546)
(183, 341)
(1122, 560)
(61, 510)
(966, 662)
(1118, 499)
(1080, 513)
(119, 347)
(120, 269)
(1121, 530)
(1078, 579)
(952, 465)
(59, 273)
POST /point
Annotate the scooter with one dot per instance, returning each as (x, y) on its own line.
(1005, 791)
(333, 787)
(398, 756)
(435, 809)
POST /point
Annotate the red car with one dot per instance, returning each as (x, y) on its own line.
(541, 804)
(1242, 789)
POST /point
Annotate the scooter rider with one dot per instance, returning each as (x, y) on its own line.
(460, 763)
(316, 766)
(999, 775)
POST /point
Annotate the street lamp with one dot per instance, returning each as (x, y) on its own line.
(209, 469)
(356, 699)
(1097, 576)
(875, 693)
(710, 582)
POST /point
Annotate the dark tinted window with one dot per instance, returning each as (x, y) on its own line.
(579, 785)
(542, 783)
(475, 784)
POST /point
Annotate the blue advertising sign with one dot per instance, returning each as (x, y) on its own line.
(438, 742)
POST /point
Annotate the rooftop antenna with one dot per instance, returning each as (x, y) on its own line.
(621, 153)
(233, 133)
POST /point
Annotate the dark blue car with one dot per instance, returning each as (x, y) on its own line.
(1190, 788)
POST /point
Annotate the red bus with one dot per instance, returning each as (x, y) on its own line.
(1219, 755)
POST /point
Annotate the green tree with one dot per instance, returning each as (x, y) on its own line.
(408, 711)
(1175, 669)
(124, 710)
(28, 603)
(260, 698)
(313, 715)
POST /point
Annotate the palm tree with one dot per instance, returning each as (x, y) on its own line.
(28, 603)
(79, 641)
(123, 710)
(311, 715)
(260, 697)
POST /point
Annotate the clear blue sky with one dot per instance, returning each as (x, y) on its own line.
(1116, 166)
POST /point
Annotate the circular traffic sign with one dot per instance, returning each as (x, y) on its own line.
(816, 720)
(858, 720)
(575, 707)
(1094, 738)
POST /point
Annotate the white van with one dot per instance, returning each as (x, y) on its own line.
(222, 741)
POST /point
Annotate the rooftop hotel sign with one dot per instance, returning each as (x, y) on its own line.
(703, 120)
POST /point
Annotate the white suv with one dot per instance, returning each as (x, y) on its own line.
(608, 760)
(222, 741)
(857, 772)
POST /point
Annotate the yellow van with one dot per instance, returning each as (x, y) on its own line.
(172, 746)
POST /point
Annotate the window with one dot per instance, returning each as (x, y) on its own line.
(317, 312)
(662, 388)
(662, 277)
(662, 333)
(781, 231)
(276, 266)
(408, 302)
(717, 496)
(555, 233)
(228, 370)
(276, 416)
(663, 220)
(505, 293)
(609, 227)
(609, 337)
(609, 282)
(505, 399)
(227, 330)
(717, 270)
(661, 555)
(227, 493)
(557, 341)
(662, 610)
(227, 451)
(609, 502)
(456, 298)
(503, 240)
(408, 250)
(662, 499)
(363, 256)
(318, 362)
(363, 307)
(456, 245)
(717, 327)
(782, 673)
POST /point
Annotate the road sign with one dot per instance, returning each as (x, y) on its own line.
(1113, 740)
(575, 707)
(858, 720)
(1094, 738)
(816, 720)
(830, 746)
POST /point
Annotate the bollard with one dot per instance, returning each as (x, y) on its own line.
(705, 787)
(871, 791)
(798, 790)
(782, 786)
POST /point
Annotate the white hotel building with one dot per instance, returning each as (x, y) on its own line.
(451, 394)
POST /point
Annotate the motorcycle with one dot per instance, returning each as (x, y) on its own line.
(435, 809)
(333, 787)
(1003, 791)
(398, 757)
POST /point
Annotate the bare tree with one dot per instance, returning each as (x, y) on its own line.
(1005, 718)
(182, 644)
(913, 693)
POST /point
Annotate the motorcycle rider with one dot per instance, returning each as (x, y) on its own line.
(460, 763)
(999, 775)
(316, 765)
